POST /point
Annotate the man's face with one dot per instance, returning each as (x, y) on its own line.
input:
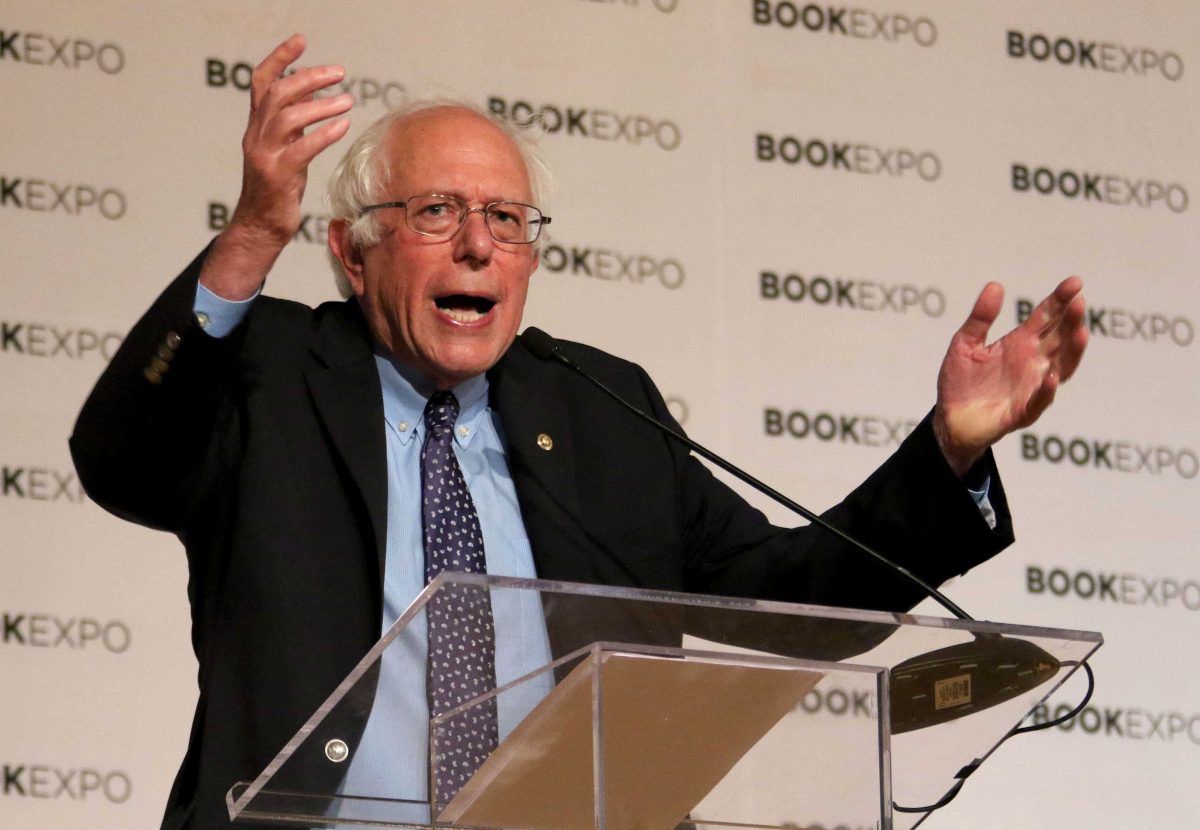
(447, 307)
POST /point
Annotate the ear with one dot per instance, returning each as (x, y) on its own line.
(345, 252)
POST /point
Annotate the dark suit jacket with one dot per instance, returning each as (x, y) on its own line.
(264, 452)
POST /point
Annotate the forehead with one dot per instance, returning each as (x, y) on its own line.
(455, 151)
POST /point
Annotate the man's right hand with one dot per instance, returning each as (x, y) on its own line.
(276, 153)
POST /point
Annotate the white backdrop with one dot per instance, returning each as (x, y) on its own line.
(721, 141)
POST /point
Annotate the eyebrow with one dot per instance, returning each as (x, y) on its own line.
(458, 194)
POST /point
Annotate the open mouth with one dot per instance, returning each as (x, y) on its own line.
(463, 308)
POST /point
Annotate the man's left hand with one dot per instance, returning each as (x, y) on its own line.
(985, 392)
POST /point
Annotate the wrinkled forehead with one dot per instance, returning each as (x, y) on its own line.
(455, 150)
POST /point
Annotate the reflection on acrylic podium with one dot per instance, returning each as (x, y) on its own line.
(630, 709)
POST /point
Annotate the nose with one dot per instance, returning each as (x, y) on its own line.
(473, 240)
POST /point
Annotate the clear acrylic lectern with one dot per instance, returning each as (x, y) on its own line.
(620, 709)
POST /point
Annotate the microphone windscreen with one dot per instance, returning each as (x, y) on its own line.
(543, 346)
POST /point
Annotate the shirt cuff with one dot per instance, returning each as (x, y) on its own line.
(218, 316)
(983, 503)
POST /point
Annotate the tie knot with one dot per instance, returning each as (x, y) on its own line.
(440, 413)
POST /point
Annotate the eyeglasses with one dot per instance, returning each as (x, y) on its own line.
(441, 217)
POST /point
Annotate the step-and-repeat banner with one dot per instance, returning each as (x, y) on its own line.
(782, 209)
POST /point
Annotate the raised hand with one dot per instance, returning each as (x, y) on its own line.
(276, 152)
(985, 392)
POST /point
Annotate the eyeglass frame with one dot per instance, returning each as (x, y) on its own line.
(483, 211)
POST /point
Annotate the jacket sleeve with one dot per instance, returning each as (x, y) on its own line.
(913, 510)
(154, 433)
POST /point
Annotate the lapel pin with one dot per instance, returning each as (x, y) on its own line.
(337, 751)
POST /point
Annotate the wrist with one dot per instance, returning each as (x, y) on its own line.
(238, 263)
(960, 459)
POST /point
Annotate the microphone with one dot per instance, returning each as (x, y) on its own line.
(545, 347)
(927, 689)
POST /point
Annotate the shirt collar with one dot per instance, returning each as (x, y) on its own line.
(405, 394)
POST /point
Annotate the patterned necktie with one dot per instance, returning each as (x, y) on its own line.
(462, 647)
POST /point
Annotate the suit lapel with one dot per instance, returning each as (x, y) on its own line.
(344, 384)
(538, 444)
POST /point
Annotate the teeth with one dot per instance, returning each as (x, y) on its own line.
(462, 315)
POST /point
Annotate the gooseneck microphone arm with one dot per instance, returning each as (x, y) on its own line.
(545, 347)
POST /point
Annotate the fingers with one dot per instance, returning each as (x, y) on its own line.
(1063, 336)
(272, 66)
(303, 150)
(983, 314)
(1074, 337)
(1068, 290)
(1051, 311)
(300, 86)
(289, 125)
(290, 105)
(275, 99)
(1040, 400)
(283, 107)
(1062, 332)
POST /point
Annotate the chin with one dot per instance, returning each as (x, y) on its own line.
(457, 371)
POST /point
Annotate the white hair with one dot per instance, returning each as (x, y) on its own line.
(359, 177)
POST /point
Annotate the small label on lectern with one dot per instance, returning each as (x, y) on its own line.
(953, 691)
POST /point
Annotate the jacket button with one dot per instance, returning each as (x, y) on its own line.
(173, 340)
(159, 365)
(545, 441)
(152, 375)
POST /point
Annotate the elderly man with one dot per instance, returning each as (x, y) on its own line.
(288, 447)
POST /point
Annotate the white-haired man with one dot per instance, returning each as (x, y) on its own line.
(285, 445)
